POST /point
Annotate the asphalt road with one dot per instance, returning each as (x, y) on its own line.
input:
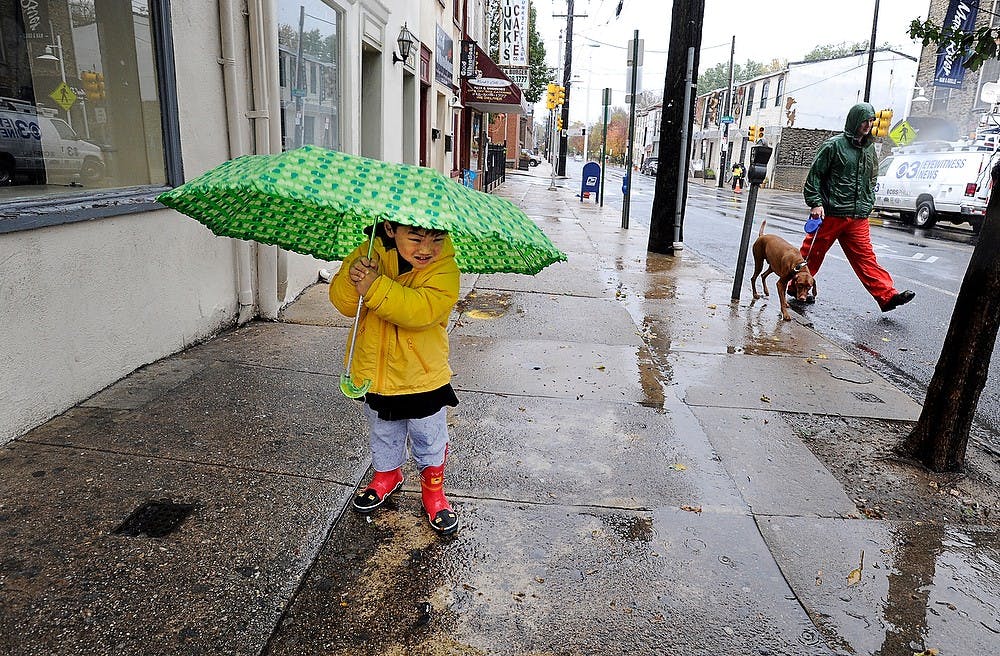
(902, 345)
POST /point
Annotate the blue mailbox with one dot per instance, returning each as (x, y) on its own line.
(591, 181)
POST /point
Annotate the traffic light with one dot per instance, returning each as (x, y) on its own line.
(752, 133)
(882, 123)
(93, 84)
(760, 132)
(560, 95)
(559, 123)
(550, 95)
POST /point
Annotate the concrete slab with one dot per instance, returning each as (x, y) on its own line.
(252, 418)
(592, 372)
(820, 386)
(217, 585)
(539, 450)
(315, 349)
(922, 585)
(525, 579)
(146, 384)
(545, 316)
(775, 472)
(579, 276)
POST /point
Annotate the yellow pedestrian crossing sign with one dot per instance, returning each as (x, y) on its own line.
(902, 134)
(63, 96)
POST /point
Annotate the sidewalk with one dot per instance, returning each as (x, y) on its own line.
(639, 467)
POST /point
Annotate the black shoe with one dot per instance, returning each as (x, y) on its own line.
(902, 298)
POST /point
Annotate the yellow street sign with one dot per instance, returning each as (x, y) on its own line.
(63, 96)
(903, 134)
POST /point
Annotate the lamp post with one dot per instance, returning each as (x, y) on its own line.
(48, 56)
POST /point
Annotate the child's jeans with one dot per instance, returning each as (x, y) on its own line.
(428, 439)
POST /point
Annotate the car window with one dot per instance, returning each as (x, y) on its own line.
(63, 128)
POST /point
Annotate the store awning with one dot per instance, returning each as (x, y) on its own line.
(492, 91)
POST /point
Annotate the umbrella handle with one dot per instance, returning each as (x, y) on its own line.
(347, 386)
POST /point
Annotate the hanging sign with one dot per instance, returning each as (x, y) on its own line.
(961, 17)
(513, 33)
(36, 19)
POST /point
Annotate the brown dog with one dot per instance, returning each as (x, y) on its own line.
(786, 261)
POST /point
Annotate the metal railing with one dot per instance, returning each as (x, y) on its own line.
(496, 166)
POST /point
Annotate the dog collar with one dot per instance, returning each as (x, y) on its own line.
(798, 267)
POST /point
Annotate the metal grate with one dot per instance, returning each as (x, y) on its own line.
(156, 519)
(868, 397)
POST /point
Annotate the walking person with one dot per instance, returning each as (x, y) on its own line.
(409, 286)
(840, 191)
(738, 173)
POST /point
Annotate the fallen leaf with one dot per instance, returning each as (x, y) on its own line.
(819, 577)
(886, 339)
(822, 356)
(765, 398)
(694, 509)
(678, 466)
(926, 652)
(855, 575)
(712, 306)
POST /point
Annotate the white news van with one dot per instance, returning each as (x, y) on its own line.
(43, 147)
(937, 180)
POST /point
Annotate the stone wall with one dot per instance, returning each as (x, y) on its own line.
(794, 156)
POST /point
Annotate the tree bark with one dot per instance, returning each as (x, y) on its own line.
(685, 31)
(940, 438)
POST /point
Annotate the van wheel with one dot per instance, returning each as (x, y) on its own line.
(925, 216)
(6, 172)
(92, 170)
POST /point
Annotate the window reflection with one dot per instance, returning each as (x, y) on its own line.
(309, 73)
(79, 103)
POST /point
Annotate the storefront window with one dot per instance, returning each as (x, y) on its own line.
(309, 61)
(79, 98)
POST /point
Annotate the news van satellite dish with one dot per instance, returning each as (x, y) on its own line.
(990, 92)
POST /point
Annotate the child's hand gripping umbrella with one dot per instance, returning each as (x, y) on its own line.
(317, 202)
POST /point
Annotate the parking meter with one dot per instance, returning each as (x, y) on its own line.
(759, 157)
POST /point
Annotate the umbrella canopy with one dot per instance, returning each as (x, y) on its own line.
(317, 202)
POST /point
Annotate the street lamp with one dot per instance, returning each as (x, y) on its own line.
(920, 97)
(405, 41)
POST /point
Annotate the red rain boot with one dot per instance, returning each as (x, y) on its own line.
(383, 484)
(439, 513)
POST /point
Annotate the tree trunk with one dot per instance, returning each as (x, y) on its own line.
(941, 435)
(685, 31)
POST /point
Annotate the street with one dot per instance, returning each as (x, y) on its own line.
(903, 345)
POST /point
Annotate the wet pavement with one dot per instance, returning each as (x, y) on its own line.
(624, 460)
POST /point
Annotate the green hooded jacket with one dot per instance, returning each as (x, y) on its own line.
(842, 176)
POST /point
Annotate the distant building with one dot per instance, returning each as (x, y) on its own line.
(798, 108)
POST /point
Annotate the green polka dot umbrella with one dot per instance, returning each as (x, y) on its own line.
(317, 202)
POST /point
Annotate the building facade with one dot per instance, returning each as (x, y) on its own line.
(811, 98)
(105, 104)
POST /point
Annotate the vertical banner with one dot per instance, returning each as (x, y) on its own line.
(444, 57)
(36, 19)
(513, 33)
(467, 60)
(960, 17)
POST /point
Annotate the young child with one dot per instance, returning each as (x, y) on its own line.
(409, 287)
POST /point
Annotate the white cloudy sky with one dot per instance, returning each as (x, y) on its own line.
(764, 30)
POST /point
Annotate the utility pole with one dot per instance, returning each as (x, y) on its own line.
(635, 61)
(300, 74)
(685, 33)
(871, 56)
(567, 75)
(724, 150)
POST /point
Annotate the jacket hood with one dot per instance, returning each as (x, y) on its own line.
(855, 117)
